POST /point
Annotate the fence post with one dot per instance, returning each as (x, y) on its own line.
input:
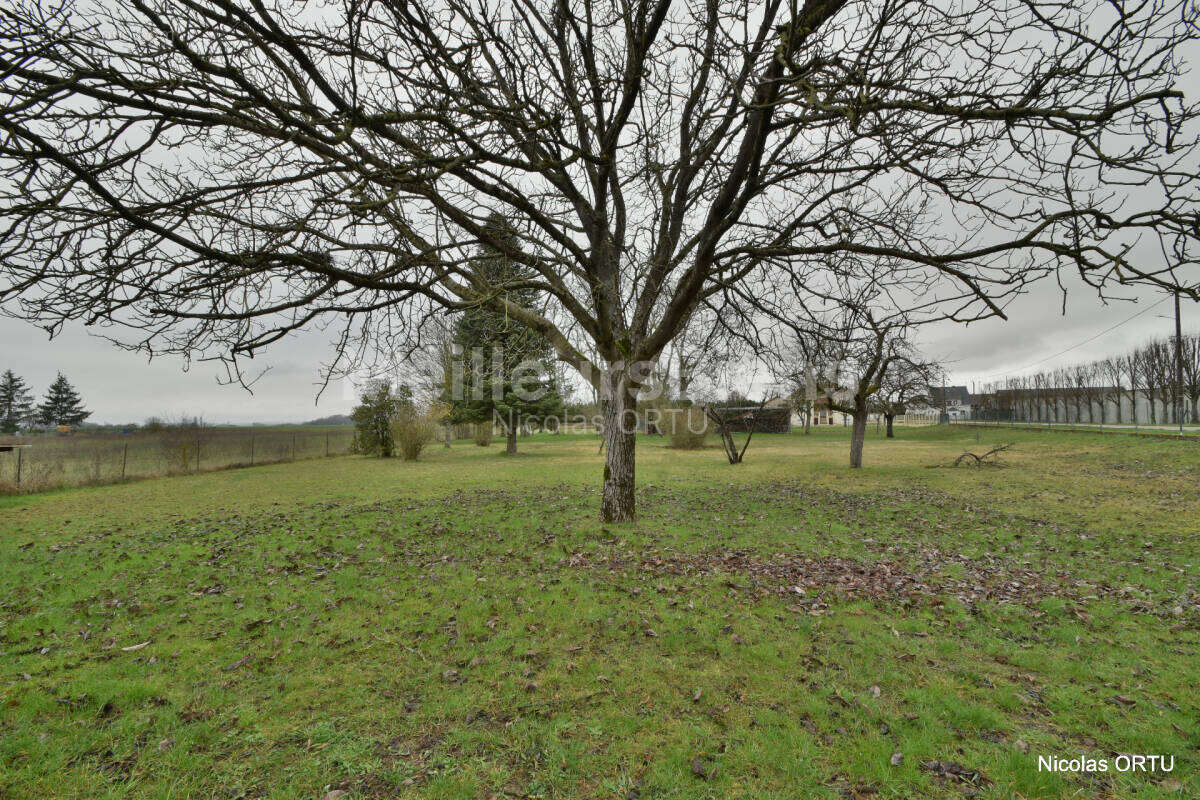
(293, 445)
(124, 458)
(252, 448)
(20, 453)
(197, 452)
(327, 444)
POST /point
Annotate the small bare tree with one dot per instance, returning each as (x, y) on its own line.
(864, 348)
(905, 380)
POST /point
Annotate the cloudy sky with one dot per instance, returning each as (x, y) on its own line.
(119, 386)
(1038, 331)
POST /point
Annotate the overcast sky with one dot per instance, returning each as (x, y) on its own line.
(1037, 331)
(119, 386)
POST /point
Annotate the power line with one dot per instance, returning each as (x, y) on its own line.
(1080, 344)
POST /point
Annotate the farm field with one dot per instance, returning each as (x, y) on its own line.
(463, 627)
(85, 458)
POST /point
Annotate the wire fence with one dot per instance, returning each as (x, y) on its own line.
(1158, 431)
(53, 462)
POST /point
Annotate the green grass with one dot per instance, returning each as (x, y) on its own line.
(464, 627)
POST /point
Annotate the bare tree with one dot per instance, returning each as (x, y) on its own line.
(905, 380)
(858, 344)
(1113, 374)
(808, 366)
(1191, 374)
(1154, 367)
(207, 176)
(702, 350)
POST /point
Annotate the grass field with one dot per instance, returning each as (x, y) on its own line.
(462, 627)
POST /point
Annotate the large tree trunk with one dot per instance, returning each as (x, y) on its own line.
(511, 437)
(891, 418)
(620, 441)
(858, 433)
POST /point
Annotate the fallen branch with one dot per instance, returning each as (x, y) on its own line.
(988, 459)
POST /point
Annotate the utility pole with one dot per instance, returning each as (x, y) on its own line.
(944, 419)
(1178, 367)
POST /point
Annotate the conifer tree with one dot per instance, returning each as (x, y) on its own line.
(508, 372)
(62, 405)
(16, 404)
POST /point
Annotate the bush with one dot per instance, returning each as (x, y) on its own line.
(483, 434)
(687, 427)
(411, 431)
(375, 417)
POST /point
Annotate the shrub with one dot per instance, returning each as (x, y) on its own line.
(375, 416)
(411, 431)
(483, 434)
(687, 427)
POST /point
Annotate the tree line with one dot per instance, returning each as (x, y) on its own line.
(62, 405)
(1109, 390)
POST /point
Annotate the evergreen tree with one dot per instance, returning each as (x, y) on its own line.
(16, 404)
(62, 405)
(508, 370)
(374, 416)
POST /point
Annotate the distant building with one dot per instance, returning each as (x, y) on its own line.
(824, 415)
(957, 400)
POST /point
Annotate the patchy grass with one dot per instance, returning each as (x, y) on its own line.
(463, 627)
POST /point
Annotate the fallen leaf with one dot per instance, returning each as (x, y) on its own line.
(897, 758)
(949, 769)
(699, 770)
(241, 662)
(133, 647)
